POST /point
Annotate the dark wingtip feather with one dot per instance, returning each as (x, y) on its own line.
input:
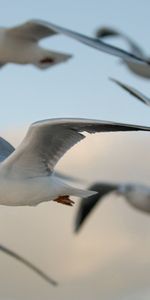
(28, 264)
(105, 32)
(89, 203)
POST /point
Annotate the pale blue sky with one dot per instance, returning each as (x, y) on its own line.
(111, 257)
(79, 88)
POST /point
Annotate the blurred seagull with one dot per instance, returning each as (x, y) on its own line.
(27, 174)
(27, 264)
(19, 45)
(136, 195)
(139, 69)
(132, 91)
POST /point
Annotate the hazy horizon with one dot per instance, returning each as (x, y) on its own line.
(110, 258)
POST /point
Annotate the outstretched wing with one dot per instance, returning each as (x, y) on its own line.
(5, 149)
(132, 91)
(104, 32)
(27, 264)
(87, 205)
(31, 30)
(93, 42)
(47, 141)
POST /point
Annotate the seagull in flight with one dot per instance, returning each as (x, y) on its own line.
(27, 174)
(142, 70)
(20, 45)
(134, 92)
(27, 264)
(137, 195)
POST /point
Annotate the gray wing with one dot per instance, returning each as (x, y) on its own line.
(27, 264)
(47, 141)
(94, 43)
(5, 149)
(132, 91)
(87, 205)
(104, 32)
(31, 30)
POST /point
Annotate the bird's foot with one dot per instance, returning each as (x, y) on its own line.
(64, 200)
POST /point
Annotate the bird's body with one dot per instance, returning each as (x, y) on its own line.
(20, 45)
(32, 191)
(136, 195)
(10, 46)
(27, 175)
(138, 69)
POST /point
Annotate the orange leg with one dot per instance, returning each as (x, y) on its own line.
(64, 200)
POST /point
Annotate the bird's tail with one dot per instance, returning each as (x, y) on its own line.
(81, 193)
(51, 58)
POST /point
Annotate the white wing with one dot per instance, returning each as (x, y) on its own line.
(31, 30)
(5, 149)
(47, 141)
(132, 91)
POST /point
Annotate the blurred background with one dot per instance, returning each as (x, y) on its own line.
(110, 257)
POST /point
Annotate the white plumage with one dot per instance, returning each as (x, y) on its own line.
(27, 174)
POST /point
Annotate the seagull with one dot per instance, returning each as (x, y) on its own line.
(137, 195)
(19, 45)
(27, 264)
(27, 174)
(142, 70)
(134, 92)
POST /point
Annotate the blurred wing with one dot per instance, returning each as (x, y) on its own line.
(33, 31)
(94, 43)
(47, 141)
(132, 91)
(2, 65)
(87, 205)
(5, 149)
(27, 264)
(105, 32)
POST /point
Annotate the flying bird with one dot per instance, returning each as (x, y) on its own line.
(20, 45)
(27, 264)
(134, 92)
(27, 174)
(142, 70)
(137, 195)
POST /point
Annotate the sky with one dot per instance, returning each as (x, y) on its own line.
(110, 257)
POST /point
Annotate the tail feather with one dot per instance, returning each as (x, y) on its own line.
(81, 193)
(51, 58)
